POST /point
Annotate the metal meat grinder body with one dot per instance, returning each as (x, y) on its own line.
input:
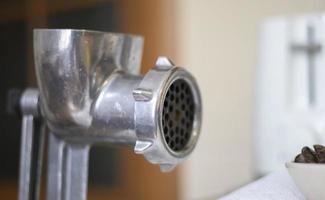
(90, 91)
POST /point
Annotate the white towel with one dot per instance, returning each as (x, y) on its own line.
(275, 186)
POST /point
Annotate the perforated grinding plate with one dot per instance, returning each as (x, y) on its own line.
(178, 115)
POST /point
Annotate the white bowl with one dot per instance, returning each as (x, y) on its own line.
(310, 179)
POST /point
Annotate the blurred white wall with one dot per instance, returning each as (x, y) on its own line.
(218, 42)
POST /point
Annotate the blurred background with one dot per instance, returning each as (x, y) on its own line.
(217, 40)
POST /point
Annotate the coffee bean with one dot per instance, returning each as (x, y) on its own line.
(320, 153)
(308, 155)
(300, 159)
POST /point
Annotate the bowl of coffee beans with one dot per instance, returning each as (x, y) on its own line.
(308, 172)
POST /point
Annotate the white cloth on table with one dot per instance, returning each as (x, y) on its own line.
(275, 186)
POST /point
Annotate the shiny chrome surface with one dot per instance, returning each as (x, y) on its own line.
(91, 91)
(148, 122)
(73, 65)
